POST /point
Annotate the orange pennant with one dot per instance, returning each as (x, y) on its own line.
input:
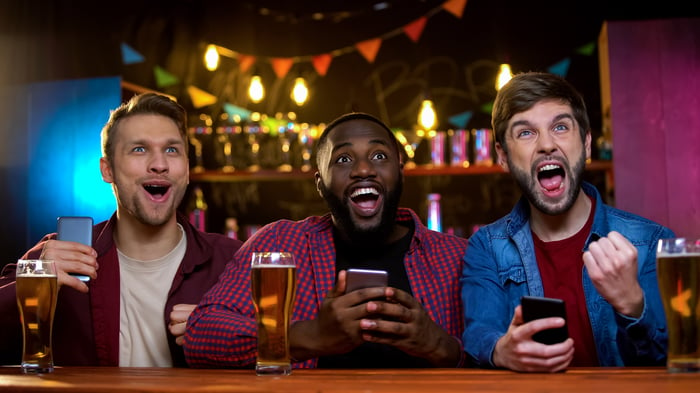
(414, 29)
(199, 97)
(455, 7)
(368, 49)
(245, 62)
(282, 66)
(321, 63)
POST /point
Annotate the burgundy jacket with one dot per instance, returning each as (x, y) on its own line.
(86, 325)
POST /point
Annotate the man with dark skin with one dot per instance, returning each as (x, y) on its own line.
(413, 322)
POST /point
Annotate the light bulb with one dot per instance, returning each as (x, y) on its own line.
(256, 91)
(504, 75)
(211, 58)
(427, 117)
(300, 92)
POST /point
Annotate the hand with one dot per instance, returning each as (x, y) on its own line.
(70, 257)
(612, 265)
(402, 322)
(178, 321)
(336, 329)
(517, 351)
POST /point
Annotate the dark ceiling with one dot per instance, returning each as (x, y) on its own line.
(454, 61)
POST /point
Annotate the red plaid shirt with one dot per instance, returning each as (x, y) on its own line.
(221, 332)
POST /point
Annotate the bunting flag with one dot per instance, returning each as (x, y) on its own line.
(245, 62)
(414, 29)
(487, 108)
(233, 111)
(164, 78)
(369, 48)
(199, 97)
(455, 7)
(561, 68)
(460, 120)
(321, 63)
(130, 56)
(587, 49)
(282, 66)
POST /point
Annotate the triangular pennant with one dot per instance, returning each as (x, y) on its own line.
(234, 111)
(487, 108)
(414, 29)
(455, 7)
(164, 78)
(130, 56)
(199, 97)
(321, 63)
(282, 66)
(587, 49)
(245, 62)
(461, 120)
(561, 68)
(368, 49)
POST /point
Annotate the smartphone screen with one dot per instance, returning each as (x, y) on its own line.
(534, 307)
(76, 229)
(365, 278)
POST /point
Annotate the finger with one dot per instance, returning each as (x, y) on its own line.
(65, 279)
(341, 284)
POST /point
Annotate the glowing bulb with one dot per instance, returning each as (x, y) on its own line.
(300, 92)
(256, 91)
(211, 58)
(427, 117)
(504, 75)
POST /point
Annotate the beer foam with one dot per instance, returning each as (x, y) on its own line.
(272, 265)
(678, 255)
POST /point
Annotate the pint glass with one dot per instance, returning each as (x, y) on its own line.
(273, 286)
(37, 290)
(678, 271)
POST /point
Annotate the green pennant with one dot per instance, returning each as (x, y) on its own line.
(587, 49)
(164, 78)
(487, 108)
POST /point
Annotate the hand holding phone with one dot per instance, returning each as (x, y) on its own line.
(365, 278)
(76, 229)
(534, 307)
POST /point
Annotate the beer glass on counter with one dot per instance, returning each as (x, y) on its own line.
(273, 287)
(678, 271)
(37, 290)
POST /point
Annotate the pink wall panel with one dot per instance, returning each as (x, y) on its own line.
(655, 108)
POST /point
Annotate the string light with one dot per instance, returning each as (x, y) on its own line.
(300, 93)
(504, 75)
(427, 118)
(256, 91)
(211, 58)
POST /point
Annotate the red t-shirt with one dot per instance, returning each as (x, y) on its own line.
(561, 267)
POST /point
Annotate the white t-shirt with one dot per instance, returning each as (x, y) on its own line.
(144, 287)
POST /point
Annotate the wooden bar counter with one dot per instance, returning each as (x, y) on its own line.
(115, 379)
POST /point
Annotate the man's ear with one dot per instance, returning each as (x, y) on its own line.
(502, 157)
(318, 180)
(106, 171)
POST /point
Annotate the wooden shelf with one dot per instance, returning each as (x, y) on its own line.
(218, 176)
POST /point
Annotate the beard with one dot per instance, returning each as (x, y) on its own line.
(375, 235)
(529, 185)
(146, 216)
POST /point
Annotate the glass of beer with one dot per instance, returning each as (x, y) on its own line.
(37, 290)
(678, 271)
(273, 286)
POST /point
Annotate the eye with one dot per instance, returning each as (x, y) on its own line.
(342, 159)
(380, 156)
(138, 149)
(171, 150)
(561, 128)
(524, 133)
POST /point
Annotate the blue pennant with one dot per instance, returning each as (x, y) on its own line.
(130, 56)
(561, 68)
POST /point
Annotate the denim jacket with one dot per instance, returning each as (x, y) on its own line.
(500, 267)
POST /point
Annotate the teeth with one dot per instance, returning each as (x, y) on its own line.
(364, 191)
(549, 167)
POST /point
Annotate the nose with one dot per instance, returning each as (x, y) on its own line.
(158, 163)
(546, 143)
(362, 168)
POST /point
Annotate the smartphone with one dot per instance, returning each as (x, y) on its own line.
(76, 229)
(365, 278)
(534, 307)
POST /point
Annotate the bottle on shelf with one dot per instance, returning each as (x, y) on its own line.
(434, 213)
(198, 209)
(232, 228)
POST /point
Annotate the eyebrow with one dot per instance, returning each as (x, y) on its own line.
(371, 141)
(556, 119)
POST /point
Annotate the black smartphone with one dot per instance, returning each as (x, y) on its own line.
(535, 307)
(365, 278)
(76, 229)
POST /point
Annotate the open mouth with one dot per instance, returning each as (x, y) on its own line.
(366, 199)
(156, 190)
(551, 177)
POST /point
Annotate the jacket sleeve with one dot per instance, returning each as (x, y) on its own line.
(644, 341)
(480, 284)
